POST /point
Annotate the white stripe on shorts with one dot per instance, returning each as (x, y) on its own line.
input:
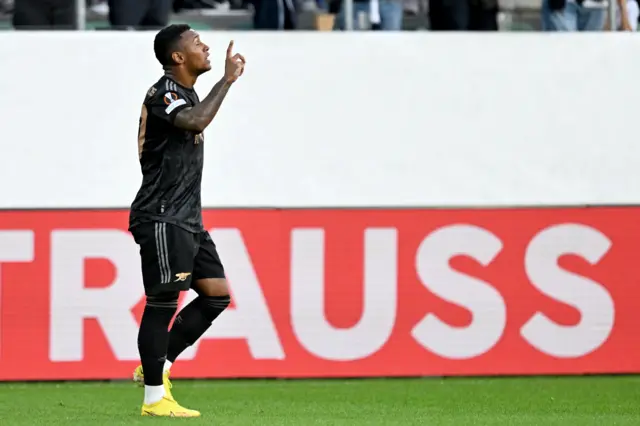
(163, 254)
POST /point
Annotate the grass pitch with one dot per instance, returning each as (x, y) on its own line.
(583, 401)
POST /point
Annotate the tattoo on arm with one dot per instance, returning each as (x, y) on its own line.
(198, 117)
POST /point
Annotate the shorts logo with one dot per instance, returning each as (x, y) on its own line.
(182, 276)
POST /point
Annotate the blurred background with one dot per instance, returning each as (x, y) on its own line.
(324, 15)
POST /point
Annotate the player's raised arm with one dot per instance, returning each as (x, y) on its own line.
(198, 117)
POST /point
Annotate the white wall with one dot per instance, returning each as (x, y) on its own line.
(335, 119)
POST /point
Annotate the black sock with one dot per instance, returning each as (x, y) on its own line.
(192, 322)
(153, 336)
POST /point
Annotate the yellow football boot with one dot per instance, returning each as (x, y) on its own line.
(138, 377)
(167, 408)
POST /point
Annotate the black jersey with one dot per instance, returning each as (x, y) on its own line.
(171, 160)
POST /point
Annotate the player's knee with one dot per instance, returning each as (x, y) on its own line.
(212, 287)
(214, 305)
(168, 300)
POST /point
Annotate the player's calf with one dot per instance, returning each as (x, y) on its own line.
(153, 338)
(193, 321)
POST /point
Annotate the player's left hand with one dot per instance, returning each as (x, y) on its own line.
(234, 64)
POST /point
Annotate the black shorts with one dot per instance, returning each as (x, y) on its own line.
(173, 258)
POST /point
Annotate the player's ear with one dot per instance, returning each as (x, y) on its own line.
(178, 58)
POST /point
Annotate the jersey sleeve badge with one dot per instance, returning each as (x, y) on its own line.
(173, 101)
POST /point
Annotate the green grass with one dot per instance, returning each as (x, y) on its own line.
(580, 401)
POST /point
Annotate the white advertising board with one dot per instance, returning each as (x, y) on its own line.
(318, 119)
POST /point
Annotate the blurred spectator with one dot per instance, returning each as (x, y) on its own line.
(274, 14)
(6, 6)
(573, 15)
(139, 14)
(463, 15)
(627, 13)
(313, 5)
(386, 15)
(222, 5)
(44, 15)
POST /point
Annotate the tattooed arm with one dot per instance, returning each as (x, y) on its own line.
(198, 117)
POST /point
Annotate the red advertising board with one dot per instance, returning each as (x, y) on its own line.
(337, 293)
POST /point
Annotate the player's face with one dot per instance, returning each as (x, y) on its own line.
(196, 52)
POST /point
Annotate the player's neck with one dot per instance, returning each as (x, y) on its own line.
(183, 79)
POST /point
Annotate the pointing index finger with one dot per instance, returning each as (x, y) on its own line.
(229, 49)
